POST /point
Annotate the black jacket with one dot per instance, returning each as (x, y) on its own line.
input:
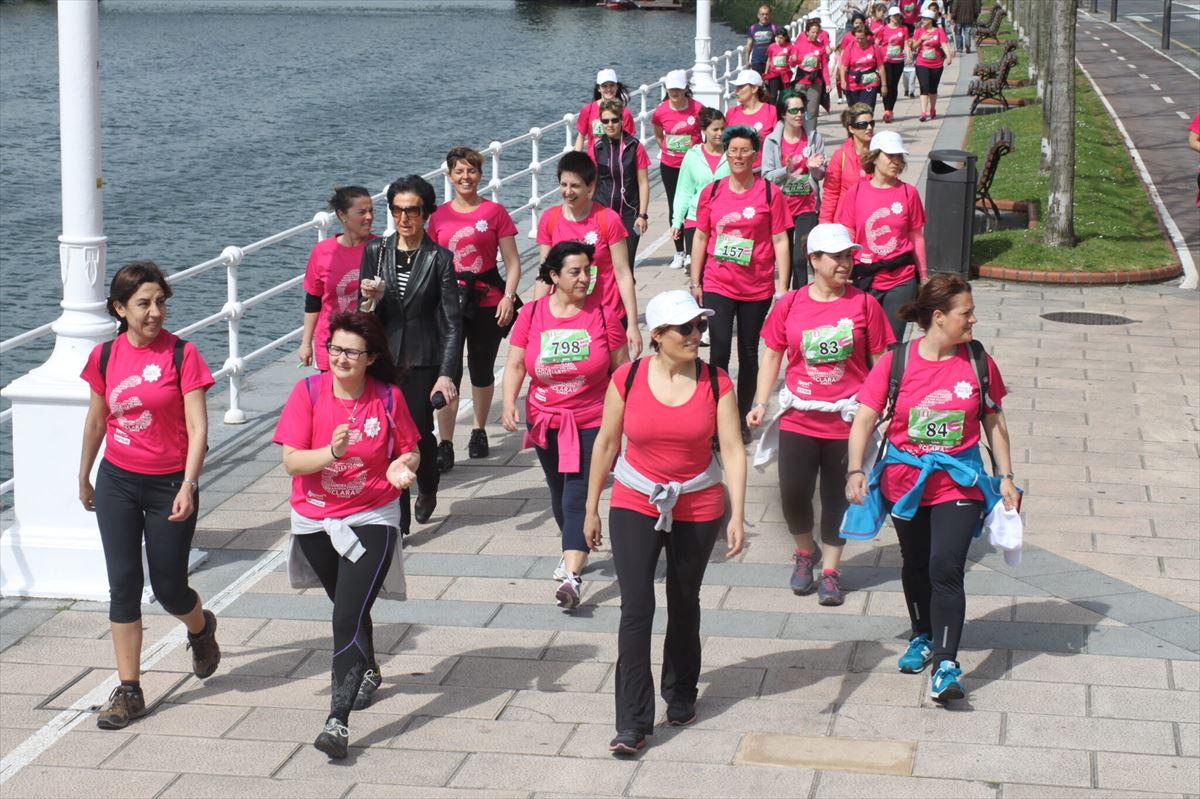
(424, 328)
(617, 174)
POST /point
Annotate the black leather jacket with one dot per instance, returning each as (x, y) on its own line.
(424, 328)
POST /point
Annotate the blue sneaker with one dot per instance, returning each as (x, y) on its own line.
(945, 685)
(916, 657)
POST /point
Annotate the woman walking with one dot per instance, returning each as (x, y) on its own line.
(861, 70)
(794, 160)
(845, 166)
(780, 63)
(933, 53)
(667, 496)
(588, 121)
(893, 38)
(812, 67)
(622, 185)
(568, 345)
(752, 111)
(831, 333)
(703, 164)
(677, 128)
(350, 446)
(931, 479)
(147, 406)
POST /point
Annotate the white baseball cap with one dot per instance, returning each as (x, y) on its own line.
(673, 308)
(888, 141)
(606, 76)
(928, 14)
(676, 79)
(748, 77)
(894, 11)
(830, 237)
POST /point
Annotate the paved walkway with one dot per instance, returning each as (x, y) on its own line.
(1082, 665)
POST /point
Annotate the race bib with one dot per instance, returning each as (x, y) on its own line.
(595, 271)
(733, 248)
(893, 51)
(779, 60)
(798, 186)
(868, 78)
(597, 129)
(931, 426)
(565, 346)
(679, 143)
(908, 8)
(929, 54)
(809, 63)
(828, 344)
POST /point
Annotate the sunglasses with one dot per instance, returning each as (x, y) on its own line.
(407, 210)
(794, 111)
(687, 327)
(862, 125)
(611, 121)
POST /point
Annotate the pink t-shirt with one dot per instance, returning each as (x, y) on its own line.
(146, 427)
(810, 58)
(883, 221)
(588, 125)
(681, 130)
(602, 229)
(892, 40)
(928, 44)
(474, 239)
(875, 26)
(838, 336)
(665, 443)
(763, 121)
(799, 189)
(567, 359)
(780, 62)
(866, 62)
(910, 11)
(332, 275)
(357, 481)
(740, 227)
(938, 386)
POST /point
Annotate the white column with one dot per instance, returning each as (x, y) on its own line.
(54, 550)
(705, 88)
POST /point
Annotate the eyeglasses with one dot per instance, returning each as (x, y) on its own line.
(863, 125)
(794, 111)
(687, 327)
(351, 353)
(739, 153)
(407, 210)
(611, 121)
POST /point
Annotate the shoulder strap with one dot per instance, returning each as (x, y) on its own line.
(713, 192)
(712, 381)
(896, 375)
(767, 183)
(978, 357)
(633, 367)
(177, 358)
(105, 355)
(313, 384)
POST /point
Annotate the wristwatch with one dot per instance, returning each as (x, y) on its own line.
(1008, 476)
(644, 216)
(511, 296)
(195, 486)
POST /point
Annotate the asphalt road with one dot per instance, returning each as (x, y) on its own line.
(1143, 19)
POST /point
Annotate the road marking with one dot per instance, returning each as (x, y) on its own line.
(1132, 66)
(1190, 278)
(1143, 76)
(1136, 19)
(1155, 87)
(1097, 38)
(1182, 115)
(1185, 68)
(1122, 58)
(1174, 42)
(1168, 100)
(67, 720)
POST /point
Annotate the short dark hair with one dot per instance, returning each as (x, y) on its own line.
(414, 184)
(580, 164)
(938, 294)
(741, 132)
(472, 157)
(125, 283)
(558, 254)
(368, 327)
(781, 102)
(622, 92)
(709, 115)
(344, 196)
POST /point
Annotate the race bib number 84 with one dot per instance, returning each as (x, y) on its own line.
(931, 426)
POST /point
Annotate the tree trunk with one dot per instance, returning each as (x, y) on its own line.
(1046, 87)
(1060, 217)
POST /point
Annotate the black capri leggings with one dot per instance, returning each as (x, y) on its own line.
(353, 587)
(482, 336)
(892, 73)
(801, 459)
(929, 78)
(892, 299)
(130, 506)
(801, 226)
(750, 315)
(933, 548)
(670, 180)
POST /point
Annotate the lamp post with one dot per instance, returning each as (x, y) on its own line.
(705, 88)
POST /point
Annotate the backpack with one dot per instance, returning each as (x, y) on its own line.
(176, 358)
(712, 382)
(382, 390)
(713, 192)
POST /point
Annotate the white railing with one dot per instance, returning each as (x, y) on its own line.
(232, 258)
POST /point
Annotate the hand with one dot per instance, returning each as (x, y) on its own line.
(640, 226)
(510, 418)
(883, 90)
(591, 531)
(698, 294)
(400, 472)
(754, 419)
(735, 538)
(446, 386)
(1009, 493)
(676, 234)
(856, 489)
(371, 288)
(634, 338)
(816, 161)
(340, 441)
(87, 495)
(305, 353)
(504, 312)
(183, 506)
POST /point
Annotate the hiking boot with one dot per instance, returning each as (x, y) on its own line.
(945, 685)
(423, 507)
(206, 654)
(627, 742)
(367, 688)
(567, 594)
(681, 713)
(802, 573)
(477, 447)
(124, 704)
(445, 456)
(917, 656)
(333, 739)
(829, 592)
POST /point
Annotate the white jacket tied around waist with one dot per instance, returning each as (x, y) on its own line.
(341, 534)
(664, 495)
(768, 444)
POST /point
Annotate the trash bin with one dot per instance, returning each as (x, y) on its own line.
(950, 210)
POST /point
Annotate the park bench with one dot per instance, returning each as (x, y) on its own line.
(992, 68)
(1001, 144)
(993, 88)
(990, 29)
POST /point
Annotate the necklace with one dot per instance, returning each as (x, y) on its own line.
(350, 412)
(409, 255)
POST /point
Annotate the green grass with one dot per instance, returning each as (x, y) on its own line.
(1115, 221)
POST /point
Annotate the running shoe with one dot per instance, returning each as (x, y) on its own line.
(829, 592)
(333, 739)
(933, 113)
(681, 713)
(923, 117)
(627, 742)
(945, 685)
(124, 704)
(366, 690)
(887, 116)
(677, 261)
(477, 447)
(567, 594)
(206, 654)
(687, 260)
(917, 656)
(802, 572)
(445, 456)
(560, 571)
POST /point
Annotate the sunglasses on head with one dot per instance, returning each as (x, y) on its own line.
(687, 327)
(863, 125)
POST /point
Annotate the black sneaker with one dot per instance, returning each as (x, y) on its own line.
(445, 456)
(124, 704)
(629, 742)
(366, 690)
(333, 739)
(206, 654)
(477, 447)
(681, 713)
(423, 507)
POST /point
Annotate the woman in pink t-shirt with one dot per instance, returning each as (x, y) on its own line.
(668, 495)
(939, 413)
(147, 406)
(588, 121)
(832, 333)
(780, 63)
(568, 343)
(933, 53)
(893, 38)
(861, 71)
(886, 216)
(677, 129)
(331, 277)
(740, 257)
(478, 233)
(350, 446)
(812, 66)
(845, 166)
(753, 110)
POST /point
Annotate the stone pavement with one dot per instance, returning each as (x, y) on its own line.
(1082, 665)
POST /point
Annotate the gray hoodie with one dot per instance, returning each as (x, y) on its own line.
(772, 161)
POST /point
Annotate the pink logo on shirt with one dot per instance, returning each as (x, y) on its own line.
(826, 373)
(348, 488)
(144, 419)
(875, 234)
(461, 255)
(347, 290)
(551, 374)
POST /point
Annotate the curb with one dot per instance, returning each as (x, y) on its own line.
(1001, 272)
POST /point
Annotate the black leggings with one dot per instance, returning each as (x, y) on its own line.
(416, 387)
(632, 238)
(867, 96)
(635, 549)
(892, 73)
(929, 78)
(892, 299)
(130, 506)
(670, 180)
(353, 587)
(689, 233)
(801, 458)
(801, 226)
(933, 546)
(482, 336)
(750, 315)
(568, 492)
